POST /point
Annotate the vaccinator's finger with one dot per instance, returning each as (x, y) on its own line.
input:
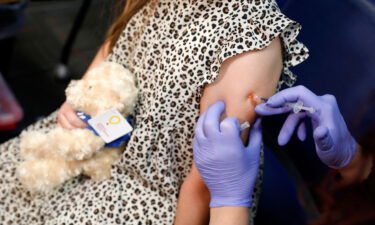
(255, 136)
(294, 94)
(199, 133)
(230, 126)
(264, 110)
(211, 123)
(301, 132)
(289, 127)
(323, 138)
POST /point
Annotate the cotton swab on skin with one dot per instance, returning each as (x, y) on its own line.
(255, 100)
(245, 125)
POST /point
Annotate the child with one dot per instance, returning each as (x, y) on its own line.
(185, 54)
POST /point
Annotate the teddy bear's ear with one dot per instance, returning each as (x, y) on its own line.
(92, 73)
(104, 70)
(71, 87)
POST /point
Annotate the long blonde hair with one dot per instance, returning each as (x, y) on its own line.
(131, 8)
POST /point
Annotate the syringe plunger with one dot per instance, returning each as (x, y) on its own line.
(298, 107)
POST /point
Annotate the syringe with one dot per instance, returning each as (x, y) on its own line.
(296, 106)
(245, 125)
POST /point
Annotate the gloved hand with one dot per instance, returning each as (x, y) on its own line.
(228, 168)
(334, 144)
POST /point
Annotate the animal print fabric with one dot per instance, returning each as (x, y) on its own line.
(174, 48)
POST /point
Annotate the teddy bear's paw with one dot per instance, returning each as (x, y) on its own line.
(44, 175)
(99, 166)
(77, 144)
(33, 145)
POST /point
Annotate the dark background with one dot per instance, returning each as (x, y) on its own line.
(339, 33)
(28, 59)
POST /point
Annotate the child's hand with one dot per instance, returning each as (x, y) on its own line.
(67, 117)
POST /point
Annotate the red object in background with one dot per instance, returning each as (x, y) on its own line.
(10, 110)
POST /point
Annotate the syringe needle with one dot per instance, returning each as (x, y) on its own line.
(264, 99)
(296, 106)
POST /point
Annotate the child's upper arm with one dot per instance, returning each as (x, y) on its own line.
(252, 71)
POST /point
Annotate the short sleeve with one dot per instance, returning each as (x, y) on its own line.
(253, 26)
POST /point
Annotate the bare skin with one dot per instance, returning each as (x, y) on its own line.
(255, 71)
(229, 216)
(357, 170)
(66, 116)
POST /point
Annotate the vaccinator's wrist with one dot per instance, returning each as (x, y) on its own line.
(350, 153)
(340, 157)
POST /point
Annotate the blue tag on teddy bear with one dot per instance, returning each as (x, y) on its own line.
(113, 144)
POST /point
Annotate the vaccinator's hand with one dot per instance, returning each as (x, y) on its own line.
(228, 168)
(334, 144)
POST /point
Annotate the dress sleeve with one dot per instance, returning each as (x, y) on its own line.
(253, 26)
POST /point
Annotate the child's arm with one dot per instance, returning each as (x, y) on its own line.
(229, 216)
(254, 71)
(193, 201)
(66, 116)
(100, 56)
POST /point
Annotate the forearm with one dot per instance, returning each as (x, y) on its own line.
(255, 71)
(229, 216)
(193, 201)
(358, 169)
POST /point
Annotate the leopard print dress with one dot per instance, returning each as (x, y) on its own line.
(174, 48)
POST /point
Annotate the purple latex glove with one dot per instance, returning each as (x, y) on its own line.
(334, 144)
(228, 168)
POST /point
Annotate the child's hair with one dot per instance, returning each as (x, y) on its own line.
(131, 8)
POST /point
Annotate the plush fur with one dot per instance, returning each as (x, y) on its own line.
(52, 158)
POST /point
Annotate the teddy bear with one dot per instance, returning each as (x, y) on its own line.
(52, 158)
